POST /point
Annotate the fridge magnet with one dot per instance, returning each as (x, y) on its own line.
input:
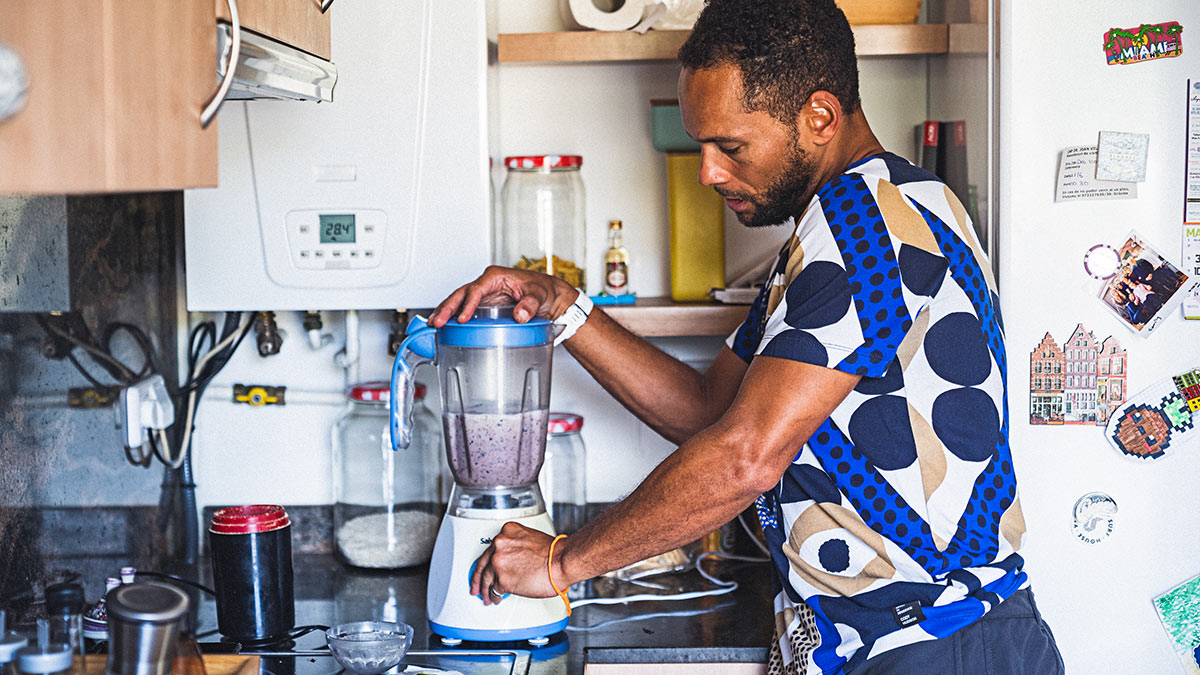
(1122, 156)
(1179, 611)
(1159, 418)
(1102, 262)
(1076, 178)
(1147, 42)
(1081, 382)
(1146, 287)
(1095, 514)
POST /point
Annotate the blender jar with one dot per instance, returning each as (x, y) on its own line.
(387, 502)
(495, 385)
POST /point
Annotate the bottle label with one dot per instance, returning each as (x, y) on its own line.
(616, 278)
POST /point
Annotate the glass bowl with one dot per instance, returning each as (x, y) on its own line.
(369, 647)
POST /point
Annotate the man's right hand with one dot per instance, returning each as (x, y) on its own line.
(534, 293)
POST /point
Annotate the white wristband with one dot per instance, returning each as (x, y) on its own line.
(573, 318)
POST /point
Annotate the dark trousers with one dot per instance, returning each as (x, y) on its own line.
(1012, 639)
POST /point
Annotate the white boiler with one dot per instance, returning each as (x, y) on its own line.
(378, 200)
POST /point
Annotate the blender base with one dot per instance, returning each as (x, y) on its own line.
(456, 614)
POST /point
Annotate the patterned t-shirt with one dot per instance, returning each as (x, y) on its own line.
(898, 521)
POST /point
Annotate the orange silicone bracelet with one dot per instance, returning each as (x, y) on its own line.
(550, 574)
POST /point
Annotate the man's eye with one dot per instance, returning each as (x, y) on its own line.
(730, 149)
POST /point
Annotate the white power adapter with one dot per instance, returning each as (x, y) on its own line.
(144, 406)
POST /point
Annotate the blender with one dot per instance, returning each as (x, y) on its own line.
(495, 388)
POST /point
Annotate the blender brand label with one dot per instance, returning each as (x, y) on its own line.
(1149, 41)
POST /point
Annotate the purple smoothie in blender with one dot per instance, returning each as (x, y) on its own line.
(491, 450)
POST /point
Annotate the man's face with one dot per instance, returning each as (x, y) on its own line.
(757, 163)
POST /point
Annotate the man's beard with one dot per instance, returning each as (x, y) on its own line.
(785, 196)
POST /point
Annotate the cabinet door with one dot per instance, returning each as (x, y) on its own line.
(115, 93)
(298, 23)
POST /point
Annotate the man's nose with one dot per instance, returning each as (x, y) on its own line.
(711, 172)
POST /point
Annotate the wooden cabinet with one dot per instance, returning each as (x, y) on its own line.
(298, 23)
(116, 88)
(115, 94)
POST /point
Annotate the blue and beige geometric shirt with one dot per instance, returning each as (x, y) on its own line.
(898, 521)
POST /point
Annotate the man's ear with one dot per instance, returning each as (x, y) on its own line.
(821, 117)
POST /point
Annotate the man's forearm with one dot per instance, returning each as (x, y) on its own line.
(693, 491)
(660, 390)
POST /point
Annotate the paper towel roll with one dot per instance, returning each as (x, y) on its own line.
(586, 14)
(681, 14)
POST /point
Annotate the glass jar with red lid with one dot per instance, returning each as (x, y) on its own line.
(544, 217)
(563, 478)
(387, 503)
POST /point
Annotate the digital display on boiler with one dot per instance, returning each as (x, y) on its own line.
(337, 229)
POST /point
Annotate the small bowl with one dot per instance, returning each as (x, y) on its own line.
(369, 647)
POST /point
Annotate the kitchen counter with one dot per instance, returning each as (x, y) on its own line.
(735, 627)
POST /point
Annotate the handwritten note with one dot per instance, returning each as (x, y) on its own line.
(1076, 169)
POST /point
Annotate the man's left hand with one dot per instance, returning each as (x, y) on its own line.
(515, 562)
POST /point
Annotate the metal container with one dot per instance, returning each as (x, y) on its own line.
(143, 627)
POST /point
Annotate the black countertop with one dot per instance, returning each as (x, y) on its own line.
(734, 627)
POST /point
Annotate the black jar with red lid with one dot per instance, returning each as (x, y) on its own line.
(251, 549)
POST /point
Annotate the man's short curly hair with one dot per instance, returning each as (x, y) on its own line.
(785, 49)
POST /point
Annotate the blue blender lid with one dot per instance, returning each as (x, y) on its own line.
(493, 326)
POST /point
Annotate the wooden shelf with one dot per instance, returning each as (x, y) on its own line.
(663, 317)
(661, 45)
(968, 38)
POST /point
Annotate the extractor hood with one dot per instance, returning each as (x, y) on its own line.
(269, 69)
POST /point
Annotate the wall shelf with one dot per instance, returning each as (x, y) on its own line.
(661, 45)
(663, 317)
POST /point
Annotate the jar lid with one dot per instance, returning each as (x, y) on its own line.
(493, 326)
(544, 162)
(565, 423)
(249, 519)
(380, 392)
(146, 602)
(56, 658)
(64, 598)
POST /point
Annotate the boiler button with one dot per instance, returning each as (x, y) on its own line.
(336, 254)
(368, 228)
(319, 253)
(303, 229)
(305, 254)
(368, 254)
(353, 254)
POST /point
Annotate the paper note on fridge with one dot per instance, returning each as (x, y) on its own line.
(1076, 171)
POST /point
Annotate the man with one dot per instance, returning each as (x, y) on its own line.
(860, 407)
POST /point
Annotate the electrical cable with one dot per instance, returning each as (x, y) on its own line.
(295, 633)
(107, 361)
(83, 371)
(723, 587)
(140, 338)
(753, 537)
(199, 381)
(179, 579)
(655, 615)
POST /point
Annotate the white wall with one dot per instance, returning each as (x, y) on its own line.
(1058, 92)
(600, 111)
